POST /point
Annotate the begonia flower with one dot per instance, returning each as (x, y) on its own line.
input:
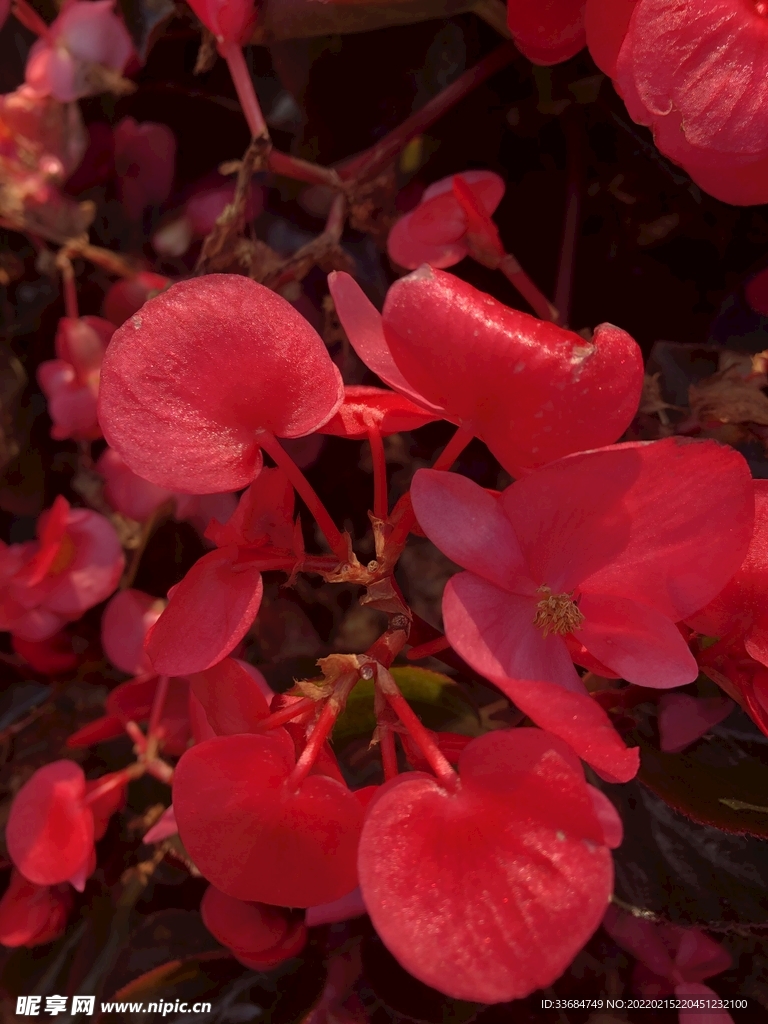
(607, 549)
(31, 915)
(71, 381)
(185, 411)
(549, 31)
(260, 936)
(435, 232)
(51, 656)
(683, 719)
(672, 961)
(86, 35)
(126, 296)
(210, 611)
(694, 74)
(145, 157)
(139, 499)
(75, 563)
(530, 390)
(365, 408)
(510, 869)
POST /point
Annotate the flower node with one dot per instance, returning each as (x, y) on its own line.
(557, 613)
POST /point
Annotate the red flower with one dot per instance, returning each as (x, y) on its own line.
(365, 408)
(531, 390)
(489, 891)
(31, 915)
(127, 619)
(75, 563)
(71, 381)
(549, 31)
(694, 73)
(436, 231)
(144, 161)
(185, 411)
(260, 936)
(606, 550)
(672, 960)
(127, 296)
(84, 33)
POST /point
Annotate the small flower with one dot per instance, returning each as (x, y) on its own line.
(71, 382)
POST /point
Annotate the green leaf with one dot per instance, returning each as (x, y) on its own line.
(438, 701)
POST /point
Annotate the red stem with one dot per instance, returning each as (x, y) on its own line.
(286, 714)
(138, 737)
(158, 704)
(536, 299)
(319, 735)
(428, 649)
(118, 779)
(435, 758)
(380, 505)
(302, 170)
(302, 486)
(29, 18)
(69, 288)
(241, 78)
(388, 753)
(373, 160)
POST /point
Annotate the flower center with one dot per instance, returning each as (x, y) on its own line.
(557, 613)
(64, 556)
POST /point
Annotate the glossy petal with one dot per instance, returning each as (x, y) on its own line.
(531, 390)
(184, 411)
(511, 892)
(234, 786)
(208, 614)
(363, 324)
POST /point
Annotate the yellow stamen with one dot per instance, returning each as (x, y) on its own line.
(557, 613)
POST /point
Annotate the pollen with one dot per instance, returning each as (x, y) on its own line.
(557, 613)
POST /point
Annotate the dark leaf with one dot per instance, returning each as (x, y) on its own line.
(145, 20)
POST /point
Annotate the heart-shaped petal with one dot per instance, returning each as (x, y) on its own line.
(294, 848)
(487, 893)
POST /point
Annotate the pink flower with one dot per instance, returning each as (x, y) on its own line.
(530, 390)
(549, 31)
(71, 382)
(85, 33)
(599, 554)
(436, 231)
(31, 915)
(127, 296)
(672, 960)
(694, 73)
(75, 563)
(139, 499)
(145, 155)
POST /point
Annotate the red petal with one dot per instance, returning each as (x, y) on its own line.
(665, 523)
(284, 847)
(641, 644)
(480, 624)
(246, 927)
(31, 914)
(363, 324)
(231, 698)
(184, 411)
(533, 391)
(511, 897)
(50, 831)
(125, 623)
(487, 187)
(390, 412)
(641, 938)
(407, 249)
(606, 23)
(549, 31)
(684, 719)
(207, 616)
(469, 526)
